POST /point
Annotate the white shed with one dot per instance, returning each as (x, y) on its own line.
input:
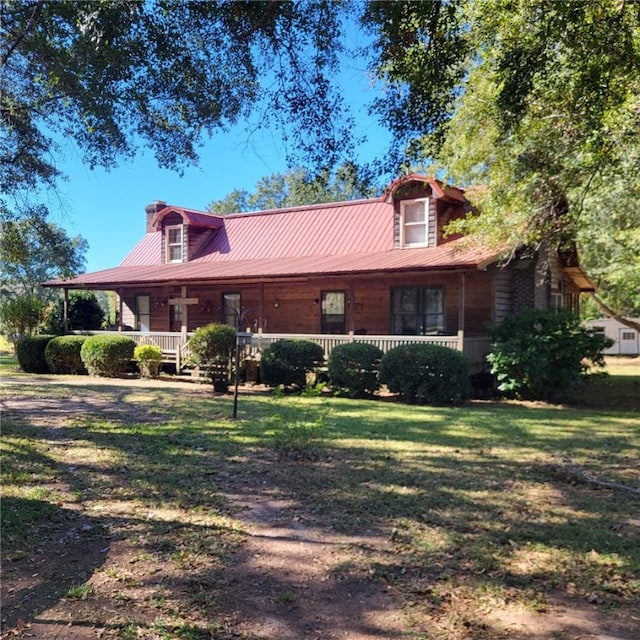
(626, 340)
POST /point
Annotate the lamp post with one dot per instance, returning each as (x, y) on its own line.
(236, 375)
(239, 315)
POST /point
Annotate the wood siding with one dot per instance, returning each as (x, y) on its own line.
(294, 306)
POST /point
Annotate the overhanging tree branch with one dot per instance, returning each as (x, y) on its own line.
(608, 311)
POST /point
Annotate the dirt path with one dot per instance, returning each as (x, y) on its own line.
(291, 586)
(288, 580)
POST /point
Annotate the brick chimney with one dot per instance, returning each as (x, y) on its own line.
(151, 210)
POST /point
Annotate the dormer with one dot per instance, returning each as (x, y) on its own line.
(184, 232)
(422, 208)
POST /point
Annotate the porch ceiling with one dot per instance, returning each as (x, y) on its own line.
(579, 277)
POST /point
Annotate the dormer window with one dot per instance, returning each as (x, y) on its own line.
(173, 243)
(415, 222)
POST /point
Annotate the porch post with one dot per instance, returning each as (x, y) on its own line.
(352, 306)
(120, 308)
(261, 309)
(65, 311)
(185, 314)
(461, 284)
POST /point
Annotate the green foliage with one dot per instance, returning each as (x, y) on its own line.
(34, 250)
(147, 353)
(149, 359)
(21, 315)
(287, 362)
(212, 348)
(299, 435)
(169, 73)
(63, 355)
(426, 374)
(300, 187)
(538, 102)
(107, 356)
(353, 368)
(541, 354)
(30, 352)
(84, 313)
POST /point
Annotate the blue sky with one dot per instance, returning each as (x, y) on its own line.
(107, 208)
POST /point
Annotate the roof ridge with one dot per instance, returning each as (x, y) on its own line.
(302, 207)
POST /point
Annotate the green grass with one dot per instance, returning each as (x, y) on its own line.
(473, 500)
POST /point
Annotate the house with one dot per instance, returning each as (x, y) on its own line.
(373, 270)
(626, 341)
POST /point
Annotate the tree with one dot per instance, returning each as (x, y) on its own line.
(300, 187)
(83, 313)
(21, 315)
(111, 76)
(34, 250)
(539, 102)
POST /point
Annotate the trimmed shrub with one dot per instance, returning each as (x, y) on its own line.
(212, 348)
(353, 368)
(426, 374)
(107, 356)
(149, 359)
(539, 354)
(63, 355)
(287, 362)
(30, 353)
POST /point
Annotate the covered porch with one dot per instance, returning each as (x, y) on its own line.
(175, 345)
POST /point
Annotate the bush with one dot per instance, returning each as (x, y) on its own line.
(426, 374)
(287, 362)
(63, 355)
(353, 368)
(84, 313)
(149, 359)
(30, 353)
(212, 348)
(539, 354)
(107, 356)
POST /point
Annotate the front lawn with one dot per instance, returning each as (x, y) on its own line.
(481, 505)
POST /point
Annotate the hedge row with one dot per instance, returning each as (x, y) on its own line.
(419, 373)
(98, 355)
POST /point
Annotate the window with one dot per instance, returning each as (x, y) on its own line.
(173, 246)
(332, 310)
(628, 335)
(143, 315)
(231, 309)
(417, 310)
(415, 222)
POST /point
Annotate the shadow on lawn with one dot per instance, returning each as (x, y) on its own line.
(455, 509)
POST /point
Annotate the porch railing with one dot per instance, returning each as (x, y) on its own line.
(328, 342)
(176, 349)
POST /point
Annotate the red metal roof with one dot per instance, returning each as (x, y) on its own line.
(335, 238)
(449, 256)
(342, 228)
(193, 218)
